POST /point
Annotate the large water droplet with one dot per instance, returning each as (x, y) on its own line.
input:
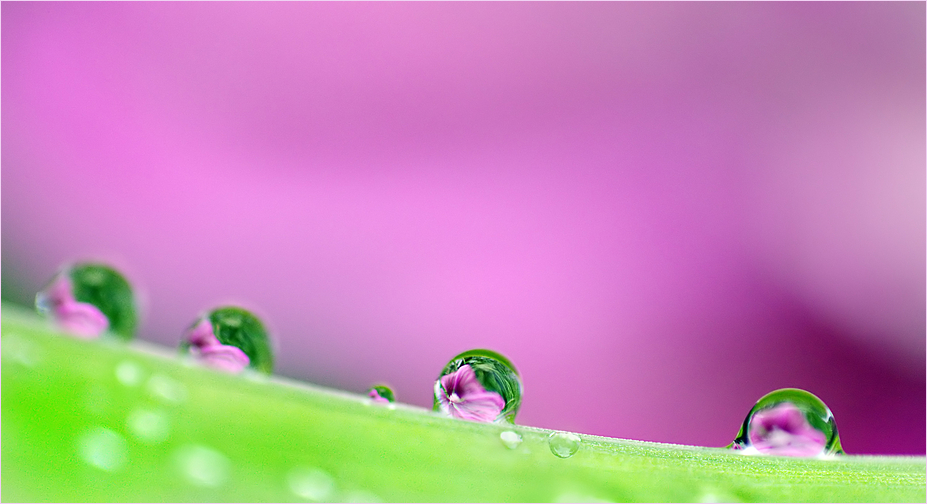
(789, 422)
(510, 439)
(166, 389)
(129, 373)
(203, 466)
(479, 385)
(381, 394)
(229, 338)
(89, 299)
(563, 444)
(149, 426)
(312, 483)
(103, 449)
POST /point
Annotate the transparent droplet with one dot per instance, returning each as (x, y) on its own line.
(229, 338)
(479, 385)
(129, 373)
(149, 426)
(103, 449)
(381, 394)
(563, 444)
(89, 299)
(789, 422)
(21, 351)
(202, 466)
(166, 389)
(510, 439)
(312, 483)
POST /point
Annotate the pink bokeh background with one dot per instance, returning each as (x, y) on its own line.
(658, 211)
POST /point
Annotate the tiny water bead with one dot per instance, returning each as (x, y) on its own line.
(312, 483)
(89, 299)
(102, 448)
(202, 466)
(564, 444)
(381, 394)
(231, 339)
(510, 439)
(479, 385)
(789, 422)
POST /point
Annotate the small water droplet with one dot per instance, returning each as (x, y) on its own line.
(710, 494)
(381, 394)
(129, 373)
(149, 426)
(90, 299)
(103, 449)
(510, 439)
(21, 351)
(479, 385)
(312, 483)
(789, 422)
(202, 466)
(231, 339)
(166, 389)
(563, 444)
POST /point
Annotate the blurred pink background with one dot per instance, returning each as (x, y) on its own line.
(658, 211)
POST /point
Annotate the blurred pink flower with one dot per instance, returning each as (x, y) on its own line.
(206, 348)
(80, 319)
(375, 395)
(784, 430)
(461, 395)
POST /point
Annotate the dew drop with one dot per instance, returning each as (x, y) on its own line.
(789, 422)
(510, 439)
(103, 449)
(381, 394)
(90, 299)
(129, 373)
(231, 339)
(151, 427)
(563, 444)
(312, 483)
(479, 385)
(202, 466)
(166, 389)
(21, 351)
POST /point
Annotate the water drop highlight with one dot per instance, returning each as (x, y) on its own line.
(510, 439)
(90, 299)
(203, 466)
(149, 426)
(166, 389)
(564, 444)
(789, 422)
(103, 449)
(129, 373)
(479, 385)
(312, 483)
(231, 339)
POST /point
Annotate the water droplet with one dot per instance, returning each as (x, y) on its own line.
(203, 466)
(710, 494)
(511, 439)
(89, 299)
(479, 385)
(166, 389)
(21, 351)
(149, 426)
(231, 339)
(129, 373)
(563, 444)
(381, 394)
(103, 449)
(312, 483)
(789, 422)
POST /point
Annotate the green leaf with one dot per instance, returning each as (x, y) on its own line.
(104, 420)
